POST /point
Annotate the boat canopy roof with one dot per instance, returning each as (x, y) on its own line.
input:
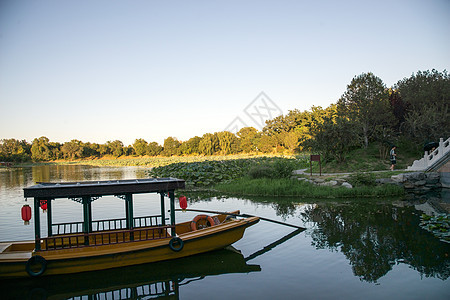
(47, 190)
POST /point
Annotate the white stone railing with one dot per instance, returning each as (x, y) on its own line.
(429, 159)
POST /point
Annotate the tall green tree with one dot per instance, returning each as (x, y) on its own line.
(209, 144)
(41, 149)
(154, 149)
(291, 141)
(14, 150)
(333, 138)
(190, 146)
(116, 147)
(267, 143)
(140, 147)
(248, 139)
(171, 146)
(426, 97)
(104, 149)
(425, 88)
(91, 149)
(228, 142)
(366, 104)
(73, 149)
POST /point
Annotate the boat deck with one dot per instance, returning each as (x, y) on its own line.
(16, 250)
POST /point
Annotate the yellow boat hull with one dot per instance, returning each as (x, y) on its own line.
(14, 257)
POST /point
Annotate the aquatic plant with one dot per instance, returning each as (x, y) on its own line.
(438, 225)
(207, 173)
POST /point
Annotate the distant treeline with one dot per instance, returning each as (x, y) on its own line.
(415, 109)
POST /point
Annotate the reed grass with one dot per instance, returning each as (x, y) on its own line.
(292, 188)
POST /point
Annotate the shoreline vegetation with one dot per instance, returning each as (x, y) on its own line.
(271, 177)
(251, 175)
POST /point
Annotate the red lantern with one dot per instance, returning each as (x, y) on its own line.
(43, 204)
(26, 214)
(183, 202)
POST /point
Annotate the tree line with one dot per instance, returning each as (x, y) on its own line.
(415, 109)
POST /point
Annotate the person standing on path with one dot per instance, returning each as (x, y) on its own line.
(393, 157)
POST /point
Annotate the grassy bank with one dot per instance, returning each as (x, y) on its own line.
(371, 159)
(268, 177)
(292, 188)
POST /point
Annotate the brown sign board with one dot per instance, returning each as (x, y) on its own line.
(315, 157)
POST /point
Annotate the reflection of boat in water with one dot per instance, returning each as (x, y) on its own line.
(93, 245)
(147, 280)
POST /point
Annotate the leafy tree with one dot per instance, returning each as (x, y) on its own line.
(91, 149)
(128, 150)
(41, 149)
(248, 139)
(209, 144)
(154, 149)
(55, 148)
(426, 96)
(116, 147)
(429, 124)
(399, 108)
(190, 146)
(333, 138)
(140, 147)
(366, 104)
(171, 146)
(267, 143)
(14, 150)
(72, 149)
(291, 141)
(228, 142)
(424, 89)
(298, 122)
(104, 149)
(277, 125)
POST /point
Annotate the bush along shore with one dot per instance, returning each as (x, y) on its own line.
(270, 176)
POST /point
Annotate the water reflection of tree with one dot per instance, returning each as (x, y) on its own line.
(375, 237)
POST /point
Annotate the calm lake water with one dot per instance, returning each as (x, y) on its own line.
(358, 249)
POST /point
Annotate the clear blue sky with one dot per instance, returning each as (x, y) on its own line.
(106, 70)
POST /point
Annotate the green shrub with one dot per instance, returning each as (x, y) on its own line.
(261, 171)
(362, 179)
(274, 168)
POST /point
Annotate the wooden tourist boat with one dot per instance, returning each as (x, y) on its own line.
(103, 244)
(161, 279)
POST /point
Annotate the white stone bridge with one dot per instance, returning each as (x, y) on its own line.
(436, 161)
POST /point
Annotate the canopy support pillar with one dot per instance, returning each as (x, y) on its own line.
(172, 211)
(37, 225)
(163, 214)
(87, 217)
(129, 213)
(49, 218)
